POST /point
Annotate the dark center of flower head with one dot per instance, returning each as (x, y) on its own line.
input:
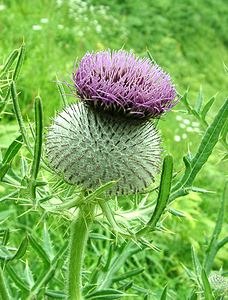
(119, 82)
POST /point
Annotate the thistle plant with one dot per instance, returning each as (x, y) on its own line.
(102, 155)
(106, 137)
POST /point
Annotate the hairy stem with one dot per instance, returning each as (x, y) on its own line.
(79, 235)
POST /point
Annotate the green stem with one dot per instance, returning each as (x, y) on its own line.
(4, 295)
(79, 235)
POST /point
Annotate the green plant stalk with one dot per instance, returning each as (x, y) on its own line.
(79, 235)
(4, 295)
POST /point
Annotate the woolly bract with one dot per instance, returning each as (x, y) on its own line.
(90, 148)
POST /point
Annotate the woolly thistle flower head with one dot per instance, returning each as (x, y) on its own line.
(120, 82)
(90, 148)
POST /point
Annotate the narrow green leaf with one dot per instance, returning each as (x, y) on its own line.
(37, 146)
(99, 191)
(21, 250)
(150, 56)
(5, 237)
(176, 213)
(18, 114)
(206, 146)
(61, 92)
(187, 172)
(164, 294)
(12, 150)
(128, 274)
(39, 250)
(9, 196)
(16, 279)
(126, 286)
(47, 242)
(28, 275)
(4, 293)
(10, 60)
(196, 265)
(190, 109)
(207, 107)
(212, 247)
(19, 62)
(222, 243)
(55, 294)
(206, 286)
(106, 294)
(3, 170)
(224, 132)
(208, 142)
(6, 256)
(193, 296)
(163, 195)
(199, 101)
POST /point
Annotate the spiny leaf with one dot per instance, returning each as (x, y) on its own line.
(18, 114)
(55, 294)
(22, 249)
(4, 294)
(47, 242)
(61, 92)
(38, 137)
(212, 247)
(6, 256)
(99, 191)
(37, 146)
(5, 237)
(39, 250)
(19, 62)
(196, 265)
(16, 279)
(28, 275)
(199, 100)
(206, 286)
(208, 142)
(206, 146)
(163, 195)
(9, 155)
(106, 294)
(10, 60)
(12, 150)
(207, 107)
(128, 274)
(164, 294)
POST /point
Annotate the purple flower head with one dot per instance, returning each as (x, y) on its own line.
(118, 81)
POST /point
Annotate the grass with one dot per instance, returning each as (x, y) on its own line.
(189, 40)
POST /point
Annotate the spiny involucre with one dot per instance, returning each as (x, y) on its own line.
(120, 82)
(89, 148)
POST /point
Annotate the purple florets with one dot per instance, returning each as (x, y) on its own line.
(119, 81)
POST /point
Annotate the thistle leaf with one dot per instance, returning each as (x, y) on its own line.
(213, 245)
(206, 286)
(207, 107)
(39, 250)
(12, 150)
(9, 62)
(199, 101)
(164, 294)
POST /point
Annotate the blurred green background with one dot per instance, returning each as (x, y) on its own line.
(187, 38)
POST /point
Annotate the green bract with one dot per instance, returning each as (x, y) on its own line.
(90, 148)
